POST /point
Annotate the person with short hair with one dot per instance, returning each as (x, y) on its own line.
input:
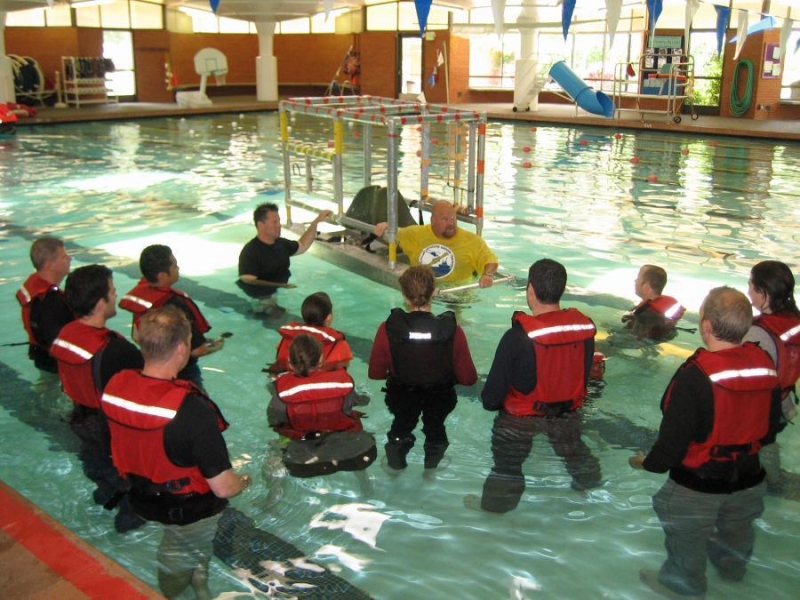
(313, 407)
(44, 309)
(454, 254)
(777, 331)
(160, 271)
(721, 407)
(166, 440)
(88, 355)
(264, 261)
(422, 357)
(537, 383)
(656, 315)
(317, 313)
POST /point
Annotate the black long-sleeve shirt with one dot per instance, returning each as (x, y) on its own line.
(514, 366)
(688, 416)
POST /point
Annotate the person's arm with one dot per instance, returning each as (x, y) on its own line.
(463, 365)
(227, 484)
(688, 416)
(760, 336)
(588, 359)
(514, 366)
(193, 438)
(253, 280)
(487, 277)
(311, 233)
(352, 399)
(276, 412)
(380, 358)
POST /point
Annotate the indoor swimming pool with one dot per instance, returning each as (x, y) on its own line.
(601, 202)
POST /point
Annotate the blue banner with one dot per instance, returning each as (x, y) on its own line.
(567, 8)
(723, 14)
(423, 8)
(214, 4)
(654, 11)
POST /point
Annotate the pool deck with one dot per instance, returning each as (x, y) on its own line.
(562, 114)
(40, 557)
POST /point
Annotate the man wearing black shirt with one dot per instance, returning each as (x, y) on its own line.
(721, 406)
(88, 354)
(44, 309)
(166, 439)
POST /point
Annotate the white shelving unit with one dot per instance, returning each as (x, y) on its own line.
(84, 80)
(664, 90)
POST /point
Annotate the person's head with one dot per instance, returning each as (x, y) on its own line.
(316, 309)
(268, 221)
(650, 282)
(305, 354)
(418, 284)
(163, 332)
(49, 255)
(771, 288)
(158, 265)
(547, 280)
(443, 219)
(725, 315)
(86, 286)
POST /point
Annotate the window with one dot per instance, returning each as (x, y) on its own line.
(707, 67)
(492, 60)
(118, 46)
(791, 68)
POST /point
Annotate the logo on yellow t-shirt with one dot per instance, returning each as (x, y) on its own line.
(439, 258)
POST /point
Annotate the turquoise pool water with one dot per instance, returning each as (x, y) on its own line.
(705, 209)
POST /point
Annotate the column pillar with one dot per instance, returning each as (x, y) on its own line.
(266, 64)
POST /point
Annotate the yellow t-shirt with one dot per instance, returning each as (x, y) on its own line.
(452, 259)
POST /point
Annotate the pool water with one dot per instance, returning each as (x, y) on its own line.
(706, 209)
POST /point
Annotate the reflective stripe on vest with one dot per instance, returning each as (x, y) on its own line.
(673, 310)
(560, 329)
(136, 300)
(736, 373)
(310, 329)
(787, 335)
(153, 411)
(308, 387)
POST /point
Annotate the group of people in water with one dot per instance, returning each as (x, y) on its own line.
(152, 438)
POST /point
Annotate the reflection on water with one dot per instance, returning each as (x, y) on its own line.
(600, 202)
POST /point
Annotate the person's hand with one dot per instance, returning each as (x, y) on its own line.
(637, 461)
(214, 345)
(323, 216)
(486, 280)
(289, 286)
(380, 229)
(246, 480)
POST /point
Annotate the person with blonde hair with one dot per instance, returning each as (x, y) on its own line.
(422, 356)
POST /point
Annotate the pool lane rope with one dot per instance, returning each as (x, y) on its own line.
(739, 106)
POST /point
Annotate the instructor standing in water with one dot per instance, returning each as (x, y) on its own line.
(453, 254)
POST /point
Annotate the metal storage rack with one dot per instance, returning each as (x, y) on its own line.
(85, 80)
(665, 90)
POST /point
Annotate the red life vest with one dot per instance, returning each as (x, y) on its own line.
(34, 288)
(314, 403)
(138, 409)
(785, 332)
(742, 380)
(146, 296)
(666, 306)
(335, 349)
(75, 348)
(559, 341)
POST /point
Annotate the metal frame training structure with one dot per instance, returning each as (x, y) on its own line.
(368, 112)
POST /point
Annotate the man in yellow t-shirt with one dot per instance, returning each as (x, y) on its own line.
(454, 255)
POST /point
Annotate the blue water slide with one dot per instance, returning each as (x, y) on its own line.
(587, 98)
